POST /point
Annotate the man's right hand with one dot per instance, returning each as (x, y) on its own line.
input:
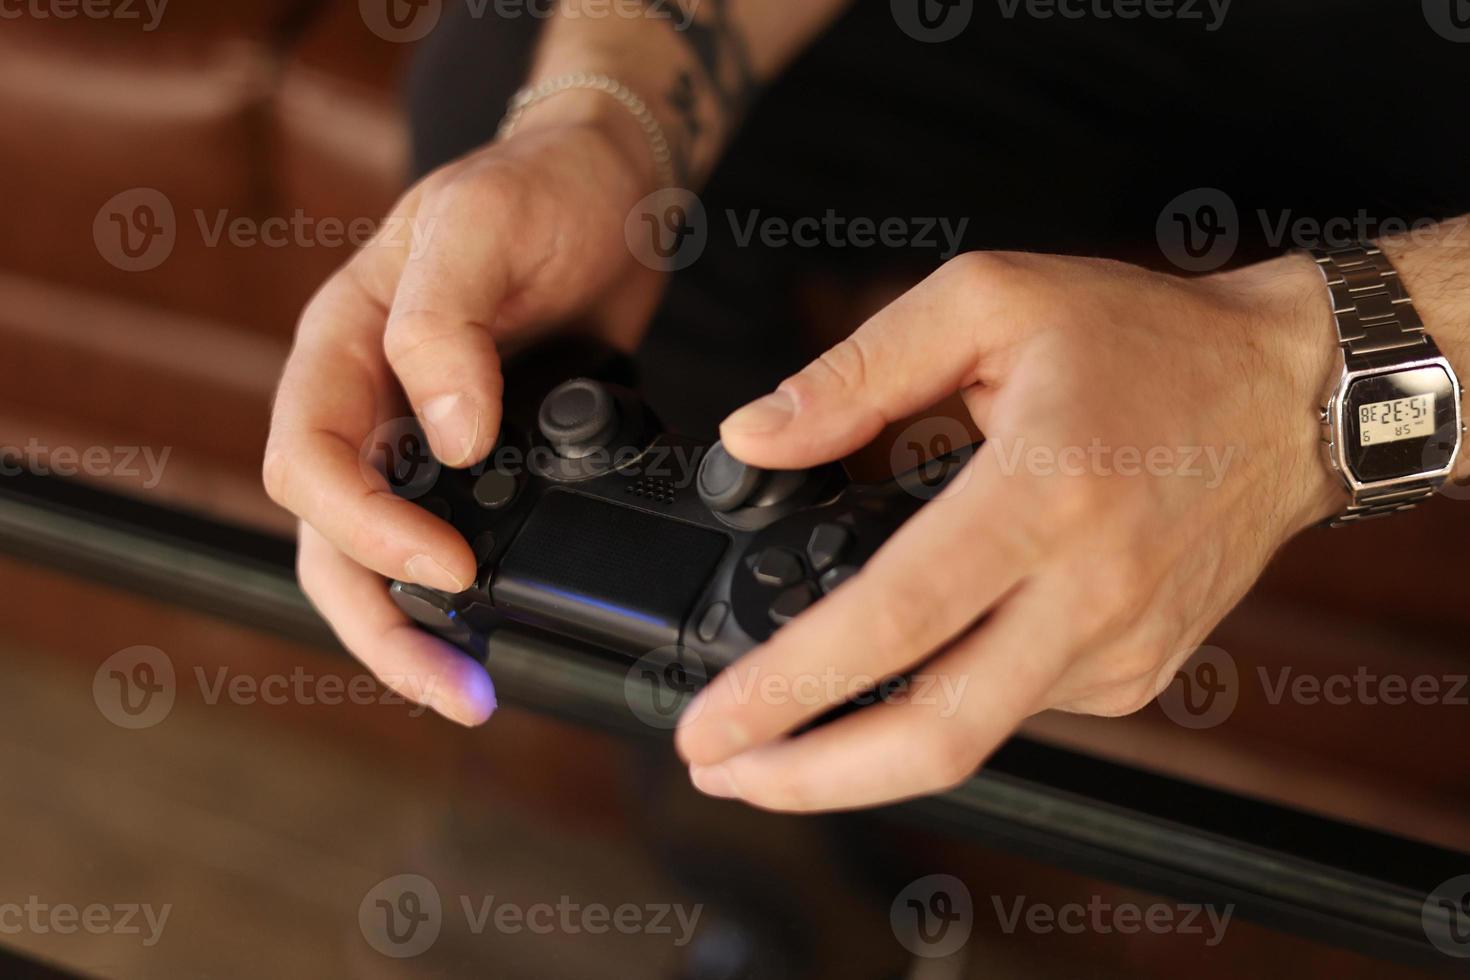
(507, 242)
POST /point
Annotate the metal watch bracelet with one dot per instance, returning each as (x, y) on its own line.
(1377, 326)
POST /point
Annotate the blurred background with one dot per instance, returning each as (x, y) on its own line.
(175, 187)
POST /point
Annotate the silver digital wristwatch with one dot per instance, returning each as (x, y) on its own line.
(1393, 424)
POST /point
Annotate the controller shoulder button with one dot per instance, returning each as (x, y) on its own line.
(827, 545)
(712, 621)
(494, 489)
(778, 567)
(792, 603)
(837, 576)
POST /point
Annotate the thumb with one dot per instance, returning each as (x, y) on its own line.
(910, 355)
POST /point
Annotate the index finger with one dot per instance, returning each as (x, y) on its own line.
(335, 390)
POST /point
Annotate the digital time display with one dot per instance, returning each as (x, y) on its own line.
(1395, 419)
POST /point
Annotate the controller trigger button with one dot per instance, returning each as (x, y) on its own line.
(792, 603)
(826, 545)
(778, 567)
(712, 621)
(837, 576)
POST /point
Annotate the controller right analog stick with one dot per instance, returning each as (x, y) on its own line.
(725, 483)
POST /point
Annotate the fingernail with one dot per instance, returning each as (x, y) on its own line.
(454, 425)
(766, 414)
(713, 781)
(470, 713)
(426, 571)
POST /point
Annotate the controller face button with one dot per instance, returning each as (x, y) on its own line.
(578, 418)
(494, 489)
(826, 545)
(792, 603)
(837, 576)
(713, 619)
(778, 567)
(725, 483)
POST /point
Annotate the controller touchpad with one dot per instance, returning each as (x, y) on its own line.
(615, 575)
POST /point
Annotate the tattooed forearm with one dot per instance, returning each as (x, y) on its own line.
(724, 61)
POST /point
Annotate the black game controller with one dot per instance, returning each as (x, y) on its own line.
(593, 523)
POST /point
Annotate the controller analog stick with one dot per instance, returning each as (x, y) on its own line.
(724, 482)
(578, 418)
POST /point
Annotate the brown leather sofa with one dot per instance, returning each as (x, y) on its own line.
(136, 326)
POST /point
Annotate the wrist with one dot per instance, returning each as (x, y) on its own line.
(1289, 316)
(610, 122)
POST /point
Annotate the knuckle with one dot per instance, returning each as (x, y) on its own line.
(412, 333)
(844, 367)
(1114, 601)
(275, 471)
(1125, 699)
(950, 754)
(912, 610)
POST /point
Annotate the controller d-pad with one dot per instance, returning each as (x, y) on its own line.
(827, 545)
(777, 567)
(836, 576)
(792, 603)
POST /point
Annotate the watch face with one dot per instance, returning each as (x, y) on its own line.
(1401, 424)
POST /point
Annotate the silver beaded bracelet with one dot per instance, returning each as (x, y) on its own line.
(531, 95)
